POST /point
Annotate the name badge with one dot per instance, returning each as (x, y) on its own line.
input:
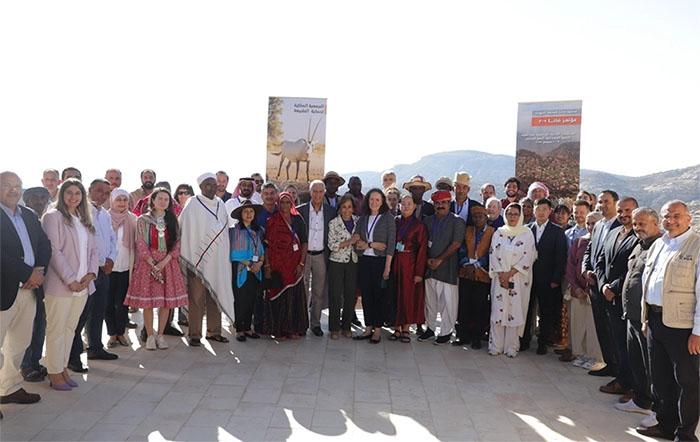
(295, 247)
(256, 258)
(430, 244)
(400, 247)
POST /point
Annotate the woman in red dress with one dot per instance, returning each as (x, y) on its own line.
(157, 281)
(286, 312)
(409, 267)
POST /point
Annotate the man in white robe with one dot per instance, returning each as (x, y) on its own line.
(204, 251)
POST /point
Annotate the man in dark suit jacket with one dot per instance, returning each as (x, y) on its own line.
(617, 248)
(25, 251)
(317, 214)
(547, 275)
(607, 201)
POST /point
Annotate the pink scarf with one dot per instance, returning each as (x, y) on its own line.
(127, 220)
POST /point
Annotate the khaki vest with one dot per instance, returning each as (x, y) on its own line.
(678, 296)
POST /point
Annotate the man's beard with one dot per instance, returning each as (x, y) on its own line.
(148, 185)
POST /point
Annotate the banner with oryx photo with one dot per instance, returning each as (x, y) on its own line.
(296, 140)
(548, 146)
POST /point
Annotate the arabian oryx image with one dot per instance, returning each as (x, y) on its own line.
(298, 151)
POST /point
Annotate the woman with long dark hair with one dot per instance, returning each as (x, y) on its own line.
(157, 281)
(247, 257)
(69, 278)
(377, 236)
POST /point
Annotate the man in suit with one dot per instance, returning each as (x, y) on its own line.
(317, 214)
(607, 201)
(618, 245)
(548, 272)
(25, 252)
(462, 205)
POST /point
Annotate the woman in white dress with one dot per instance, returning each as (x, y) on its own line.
(512, 255)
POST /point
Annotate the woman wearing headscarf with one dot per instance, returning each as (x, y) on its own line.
(493, 211)
(286, 312)
(247, 258)
(510, 268)
(409, 268)
(124, 225)
(69, 278)
(157, 281)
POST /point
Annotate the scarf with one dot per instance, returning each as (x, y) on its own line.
(516, 230)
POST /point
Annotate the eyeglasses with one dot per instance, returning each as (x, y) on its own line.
(183, 192)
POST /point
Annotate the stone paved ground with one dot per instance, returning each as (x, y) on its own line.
(316, 388)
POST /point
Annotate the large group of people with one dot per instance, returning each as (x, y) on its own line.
(611, 287)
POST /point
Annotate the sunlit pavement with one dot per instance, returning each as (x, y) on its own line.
(317, 388)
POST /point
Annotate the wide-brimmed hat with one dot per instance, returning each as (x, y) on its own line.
(417, 180)
(462, 178)
(247, 204)
(444, 180)
(330, 174)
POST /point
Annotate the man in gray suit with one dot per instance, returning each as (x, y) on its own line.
(317, 214)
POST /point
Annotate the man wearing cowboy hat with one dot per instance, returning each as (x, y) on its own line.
(317, 215)
(332, 181)
(462, 205)
(418, 186)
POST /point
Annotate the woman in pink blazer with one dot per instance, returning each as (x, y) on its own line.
(69, 279)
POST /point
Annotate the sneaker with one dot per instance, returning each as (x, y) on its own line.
(426, 335)
(151, 343)
(594, 366)
(161, 342)
(442, 340)
(649, 420)
(631, 407)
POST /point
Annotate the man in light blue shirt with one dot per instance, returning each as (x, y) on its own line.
(581, 211)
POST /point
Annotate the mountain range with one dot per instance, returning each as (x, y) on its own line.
(650, 190)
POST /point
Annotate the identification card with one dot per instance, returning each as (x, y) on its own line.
(295, 247)
(430, 244)
(256, 258)
(399, 247)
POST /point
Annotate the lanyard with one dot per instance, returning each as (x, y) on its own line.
(351, 226)
(252, 240)
(209, 210)
(296, 237)
(371, 229)
(405, 228)
(459, 207)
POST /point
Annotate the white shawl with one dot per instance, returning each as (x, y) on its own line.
(205, 248)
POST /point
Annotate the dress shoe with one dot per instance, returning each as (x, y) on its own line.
(445, 339)
(426, 335)
(458, 342)
(567, 356)
(606, 371)
(241, 338)
(20, 397)
(60, 387)
(655, 432)
(195, 342)
(33, 375)
(172, 331)
(541, 349)
(77, 367)
(476, 344)
(131, 324)
(612, 387)
(317, 331)
(102, 355)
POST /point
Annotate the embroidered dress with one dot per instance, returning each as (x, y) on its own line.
(145, 291)
(409, 261)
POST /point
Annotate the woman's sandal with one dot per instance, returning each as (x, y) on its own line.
(405, 337)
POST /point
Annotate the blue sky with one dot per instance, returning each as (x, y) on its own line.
(182, 87)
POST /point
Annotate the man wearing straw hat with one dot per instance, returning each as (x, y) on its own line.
(332, 181)
(462, 205)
